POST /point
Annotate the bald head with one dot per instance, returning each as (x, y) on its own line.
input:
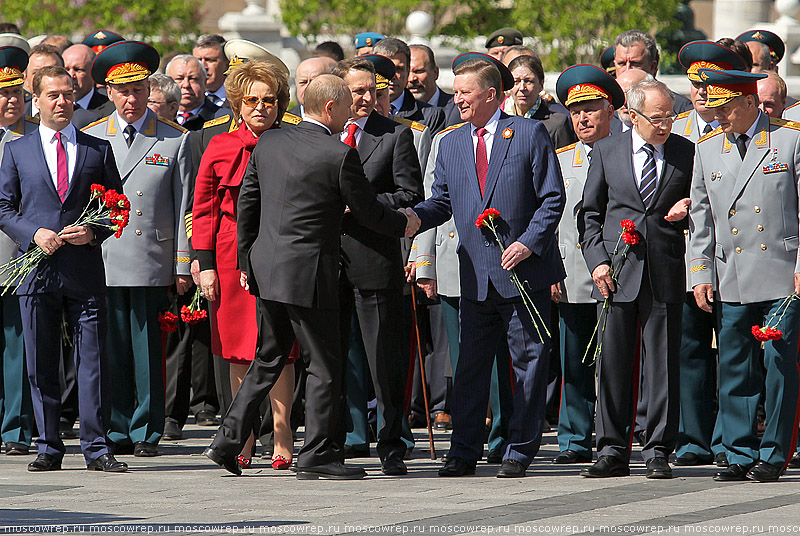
(627, 80)
(308, 70)
(78, 63)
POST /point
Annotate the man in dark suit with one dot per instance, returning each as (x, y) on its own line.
(78, 63)
(372, 265)
(642, 175)
(506, 163)
(195, 108)
(308, 70)
(403, 102)
(422, 77)
(38, 57)
(293, 198)
(44, 186)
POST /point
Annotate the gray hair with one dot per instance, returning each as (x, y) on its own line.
(188, 58)
(209, 41)
(390, 46)
(167, 86)
(631, 37)
(637, 93)
(324, 88)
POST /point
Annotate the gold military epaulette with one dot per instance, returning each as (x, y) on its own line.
(566, 148)
(98, 122)
(451, 127)
(683, 114)
(217, 121)
(291, 118)
(172, 124)
(30, 119)
(784, 123)
(409, 123)
(711, 134)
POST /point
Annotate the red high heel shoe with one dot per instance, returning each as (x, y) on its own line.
(280, 462)
(244, 463)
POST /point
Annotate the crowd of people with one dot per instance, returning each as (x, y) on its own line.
(285, 267)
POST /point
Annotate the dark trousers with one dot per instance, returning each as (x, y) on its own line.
(742, 378)
(137, 375)
(483, 323)
(660, 325)
(41, 322)
(16, 407)
(317, 331)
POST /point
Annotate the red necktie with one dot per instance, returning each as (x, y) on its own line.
(481, 161)
(350, 139)
(62, 175)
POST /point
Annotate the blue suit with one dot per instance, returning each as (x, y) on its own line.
(72, 279)
(524, 184)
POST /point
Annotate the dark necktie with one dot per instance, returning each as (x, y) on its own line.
(741, 144)
(2, 133)
(62, 174)
(76, 106)
(130, 132)
(481, 160)
(708, 128)
(647, 186)
(350, 139)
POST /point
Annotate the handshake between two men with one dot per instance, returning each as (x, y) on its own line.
(413, 222)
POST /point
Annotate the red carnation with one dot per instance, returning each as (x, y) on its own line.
(168, 321)
(97, 190)
(628, 226)
(486, 216)
(759, 333)
(630, 237)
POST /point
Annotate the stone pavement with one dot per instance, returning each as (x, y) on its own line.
(181, 492)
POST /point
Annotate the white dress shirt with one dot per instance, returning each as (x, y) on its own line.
(49, 140)
(218, 97)
(360, 130)
(488, 138)
(84, 101)
(397, 104)
(640, 157)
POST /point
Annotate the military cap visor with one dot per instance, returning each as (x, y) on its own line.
(101, 39)
(14, 40)
(505, 74)
(607, 59)
(724, 86)
(584, 82)
(125, 62)
(504, 37)
(777, 48)
(708, 55)
(384, 69)
(367, 39)
(240, 51)
(13, 62)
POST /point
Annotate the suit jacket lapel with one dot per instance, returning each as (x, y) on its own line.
(368, 142)
(38, 151)
(757, 149)
(468, 157)
(79, 161)
(500, 145)
(142, 142)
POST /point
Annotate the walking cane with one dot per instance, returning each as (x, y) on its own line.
(422, 368)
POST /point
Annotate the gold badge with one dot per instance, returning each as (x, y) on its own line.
(501, 39)
(99, 35)
(507, 133)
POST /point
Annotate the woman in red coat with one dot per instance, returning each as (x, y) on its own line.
(258, 92)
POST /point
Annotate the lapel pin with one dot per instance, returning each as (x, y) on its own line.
(507, 133)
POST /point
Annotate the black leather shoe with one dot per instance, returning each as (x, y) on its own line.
(721, 460)
(355, 452)
(455, 466)
(393, 465)
(145, 450)
(733, 473)
(17, 449)
(607, 466)
(511, 469)
(571, 456)
(658, 467)
(640, 438)
(229, 463)
(495, 455)
(172, 432)
(794, 463)
(692, 459)
(334, 471)
(45, 462)
(206, 417)
(765, 472)
(108, 464)
(66, 431)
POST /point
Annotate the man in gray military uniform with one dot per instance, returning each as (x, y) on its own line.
(154, 162)
(744, 214)
(591, 95)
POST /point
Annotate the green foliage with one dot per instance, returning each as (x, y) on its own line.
(166, 24)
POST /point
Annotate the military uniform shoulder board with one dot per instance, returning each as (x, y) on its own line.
(30, 119)
(410, 124)
(792, 106)
(172, 124)
(291, 118)
(711, 134)
(98, 122)
(451, 127)
(547, 96)
(566, 148)
(217, 121)
(683, 114)
(784, 123)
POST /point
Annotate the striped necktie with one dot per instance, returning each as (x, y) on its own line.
(647, 186)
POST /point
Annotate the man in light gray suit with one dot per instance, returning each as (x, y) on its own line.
(745, 218)
(154, 161)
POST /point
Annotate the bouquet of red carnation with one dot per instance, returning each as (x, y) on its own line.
(106, 208)
(770, 331)
(168, 321)
(630, 237)
(193, 313)
(486, 219)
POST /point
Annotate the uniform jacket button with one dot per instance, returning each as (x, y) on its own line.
(486, 243)
(139, 193)
(735, 231)
(763, 247)
(452, 234)
(138, 212)
(138, 232)
(738, 250)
